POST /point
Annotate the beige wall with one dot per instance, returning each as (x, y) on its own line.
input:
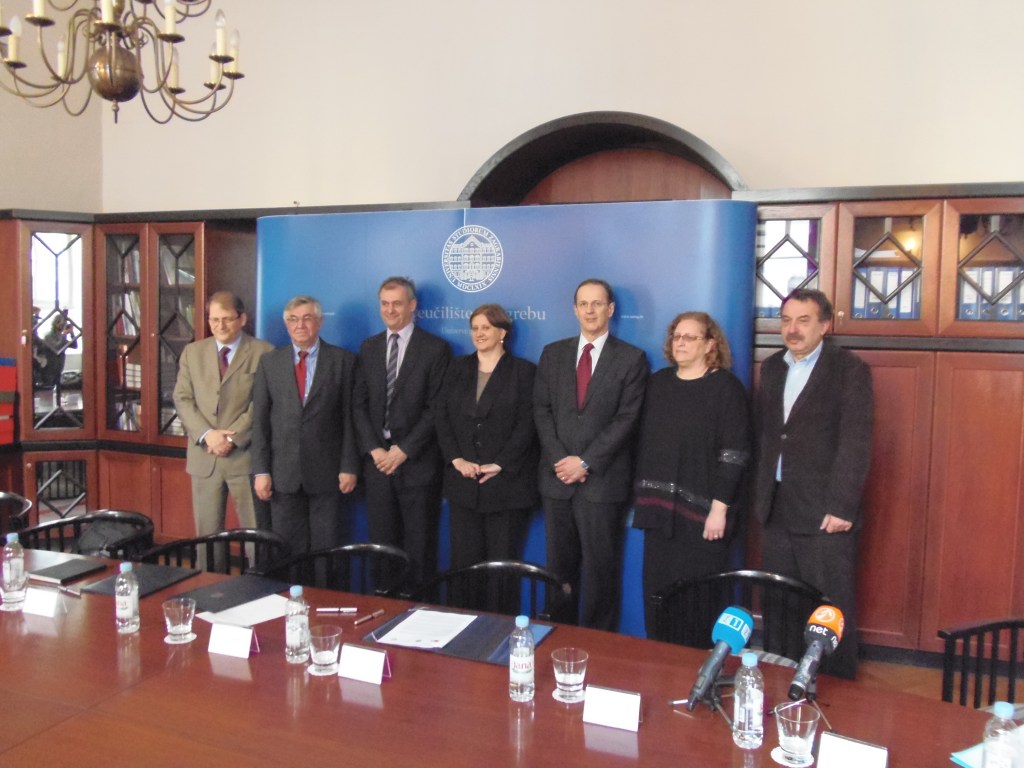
(402, 101)
(50, 160)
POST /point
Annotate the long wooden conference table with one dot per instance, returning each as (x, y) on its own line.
(75, 693)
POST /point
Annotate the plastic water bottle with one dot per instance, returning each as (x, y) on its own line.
(1001, 740)
(748, 709)
(14, 577)
(521, 661)
(126, 600)
(296, 627)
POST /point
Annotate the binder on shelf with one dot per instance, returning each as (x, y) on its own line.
(968, 294)
(986, 310)
(890, 310)
(1006, 305)
(860, 297)
(876, 277)
(909, 298)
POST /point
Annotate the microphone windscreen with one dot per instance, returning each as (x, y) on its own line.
(733, 627)
(826, 623)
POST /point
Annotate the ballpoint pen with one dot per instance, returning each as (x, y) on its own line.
(369, 617)
(337, 610)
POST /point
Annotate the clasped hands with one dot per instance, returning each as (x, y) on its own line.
(388, 461)
(218, 442)
(480, 472)
(570, 470)
(264, 486)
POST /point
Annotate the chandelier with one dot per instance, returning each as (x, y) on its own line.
(123, 48)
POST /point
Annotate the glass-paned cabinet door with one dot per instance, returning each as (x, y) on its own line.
(176, 302)
(887, 267)
(125, 358)
(983, 268)
(795, 249)
(60, 290)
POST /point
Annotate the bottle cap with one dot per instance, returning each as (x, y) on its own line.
(522, 622)
(125, 567)
(296, 590)
(749, 659)
(1003, 709)
(12, 538)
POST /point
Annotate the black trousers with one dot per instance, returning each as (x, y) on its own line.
(584, 547)
(310, 521)
(477, 536)
(406, 517)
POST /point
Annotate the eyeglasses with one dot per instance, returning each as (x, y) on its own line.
(224, 320)
(597, 305)
(687, 338)
(304, 320)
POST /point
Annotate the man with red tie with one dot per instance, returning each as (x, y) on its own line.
(587, 401)
(303, 445)
(213, 397)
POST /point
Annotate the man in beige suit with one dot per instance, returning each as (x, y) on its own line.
(213, 396)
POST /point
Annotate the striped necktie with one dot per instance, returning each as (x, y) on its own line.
(392, 376)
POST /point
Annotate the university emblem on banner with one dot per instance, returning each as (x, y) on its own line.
(472, 258)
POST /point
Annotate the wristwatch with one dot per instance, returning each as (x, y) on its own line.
(584, 464)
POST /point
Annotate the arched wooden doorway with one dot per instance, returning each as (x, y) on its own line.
(602, 157)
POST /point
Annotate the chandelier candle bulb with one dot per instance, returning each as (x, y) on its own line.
(222, 34)
(39, 8)
(172, 77)
(233, 45)
(62, 57)
(14, 40)
(170, 18)
(107, 12)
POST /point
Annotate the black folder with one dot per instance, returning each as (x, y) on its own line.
(151, 578)
(227, 594)
(65, 573)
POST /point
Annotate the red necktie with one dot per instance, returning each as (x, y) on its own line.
(300, 375)
(224, 360)
(583, 373)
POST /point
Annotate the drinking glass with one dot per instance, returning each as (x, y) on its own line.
(178, 615)
(797, 725)
(324, 646)
(570, 670)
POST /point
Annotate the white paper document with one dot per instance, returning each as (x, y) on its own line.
(249, 614)
(427, 629)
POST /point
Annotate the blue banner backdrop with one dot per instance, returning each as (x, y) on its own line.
(662, 258)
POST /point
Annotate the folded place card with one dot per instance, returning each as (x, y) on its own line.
(43, 602)
(231, 640)
(835, 751)
(369, 665)
(616, 709)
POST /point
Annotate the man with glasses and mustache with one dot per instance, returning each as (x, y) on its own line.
(813, 417)
(213, 396)
(304, 450)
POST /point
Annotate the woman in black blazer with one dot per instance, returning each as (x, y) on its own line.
(484, 419)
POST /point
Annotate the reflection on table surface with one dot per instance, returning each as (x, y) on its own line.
(76, 693)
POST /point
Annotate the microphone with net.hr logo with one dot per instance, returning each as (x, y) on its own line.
(822, 634)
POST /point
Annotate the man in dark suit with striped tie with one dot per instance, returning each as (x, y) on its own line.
(303, 445)
(400, 375)
(587, 401)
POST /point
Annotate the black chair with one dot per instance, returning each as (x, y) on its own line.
(105, 533)
(365, 569)
(685, 613)
(983, 662)
(14, 511)
(234, 551)
(510, 587)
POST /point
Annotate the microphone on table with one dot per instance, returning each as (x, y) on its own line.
(730, 634)
(822, 634)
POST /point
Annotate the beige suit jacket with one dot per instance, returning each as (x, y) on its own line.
(204, 402)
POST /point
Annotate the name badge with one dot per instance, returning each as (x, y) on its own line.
(613, 708)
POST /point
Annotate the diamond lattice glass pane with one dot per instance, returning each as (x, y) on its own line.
(123, 374)
(788, 251)
(990, 281)
(887, 277)
(61, 487)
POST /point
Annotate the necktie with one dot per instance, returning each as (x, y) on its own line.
(224, 352)
(583, 373)
(300, 375)
(392, 375)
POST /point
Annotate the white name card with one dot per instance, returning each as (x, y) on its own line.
(365, 664)
(835, 751)
(613, 708)
(229, 640)
(43, 602)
